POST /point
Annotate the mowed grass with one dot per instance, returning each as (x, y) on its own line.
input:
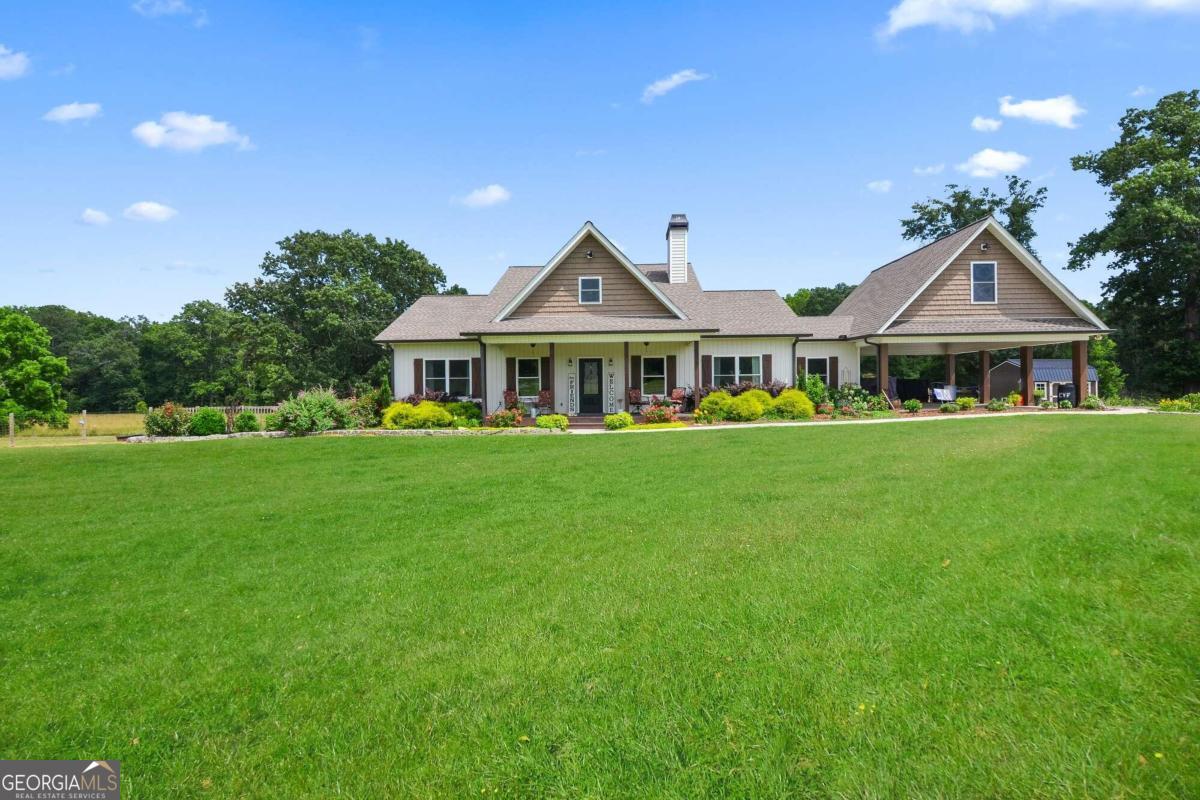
(967, 608)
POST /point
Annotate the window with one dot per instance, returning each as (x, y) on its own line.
(529, 376)
(819, 366)
(730, 370)
(654, 376)
(589, 291)
(451, 375)
(983, 281)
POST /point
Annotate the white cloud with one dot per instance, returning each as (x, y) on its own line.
(664, 85)
(1141, 91)
(969, 16)
(932, 169)
(490, 195)
(179, 130)
(149, 211)
(91, 216)
(161, 8)
(986, 124)
(1060, 111)
(72, 111)
(880, 187)
(989, 163)
(12, 64)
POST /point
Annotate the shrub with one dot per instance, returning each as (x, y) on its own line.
(314, 411)
(744, 408)
(619, 420)
(998, 404)
(1014, 398)
(966, 403)
(1065, 404)
(659, 413)
(1045, 404)
(554, 422)
(878, 402)
(512, 400)
(366, 410)
(397, 415)
(948, 408)
(170, 420)
(1174, 405)
(1091, 403)
(465, 409)
(849, 394)
(716, 404)
(761, 395)
(207, 422)
(825, 408)
(245, 422)
(1038, 396)
(793, 404)
(816, 390)
(428, 414)
(506, 418)
(913, 406)
(1192, 400)
(272, 421)
(702, 417)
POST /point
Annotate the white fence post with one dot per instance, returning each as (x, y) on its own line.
(83, 423)
(12, 430)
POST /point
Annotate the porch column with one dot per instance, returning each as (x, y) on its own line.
(881, 359)
(1079, 372)
(1027, 376)
(696, 374)
(951, 363)
(985, 375)
(628, 385)
(550, 382)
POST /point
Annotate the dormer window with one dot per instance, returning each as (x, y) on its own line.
(983, 281)
(589, 291)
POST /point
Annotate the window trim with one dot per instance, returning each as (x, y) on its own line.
(737, 371)
(995, 284)
(666, 390)
(446, 365)
(517, 376)
(599, 290)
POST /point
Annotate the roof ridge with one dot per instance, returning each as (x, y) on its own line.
(932, 243)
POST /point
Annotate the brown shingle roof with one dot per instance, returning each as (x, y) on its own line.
(932, 327)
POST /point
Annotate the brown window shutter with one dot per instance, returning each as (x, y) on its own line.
(706, 370)
(510, 374)
(801, 369)
(635, 371)
(766, 367)
(546, 372)
(418, 376)
(476, 377)
(670, 374)
(833, 372)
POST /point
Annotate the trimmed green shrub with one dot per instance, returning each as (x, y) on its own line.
(1014, 398)
(913, 406)
(966, 403)
(1091, 403)
(948, 408)
(245, 422)
(169, 420)
(1174, 405)
(619, 420)
(272, 421)
(998, 404)
(554, 422)
(206, 422)
(506, 418)
(762, 396)
(793, 404)
(428, 414)
(397, 416)
(715, 404)
(465, 409)
(314, 411)
(816, 390)
(744, 408)
(1045, 404)
(1065, 404)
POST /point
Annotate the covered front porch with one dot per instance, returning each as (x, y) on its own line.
(950, 347)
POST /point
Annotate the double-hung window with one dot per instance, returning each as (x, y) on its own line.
(590, 291)
(983, 281)
(819, 366)
(654, 376)
(529, 376)
(449, 375)
(731, 370)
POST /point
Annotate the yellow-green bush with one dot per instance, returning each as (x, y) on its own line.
(397, 415)
(426, 414)
(744, 408)
(793, 404)
(762, 396)
(714, 404)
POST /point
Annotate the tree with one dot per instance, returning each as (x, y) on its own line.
(328, 296)
(1152, 174)
(818, 301)
(935, 218)
(30, 375)
(103, 354)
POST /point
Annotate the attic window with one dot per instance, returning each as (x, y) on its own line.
(983, 281)
(589, 291)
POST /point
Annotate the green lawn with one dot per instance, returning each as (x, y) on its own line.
(965, 608)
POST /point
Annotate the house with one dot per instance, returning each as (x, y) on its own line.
(1049, 376)
(594, 330)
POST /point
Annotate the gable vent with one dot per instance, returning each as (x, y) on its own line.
(677, 253)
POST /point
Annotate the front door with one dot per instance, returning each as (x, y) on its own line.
(591, 398)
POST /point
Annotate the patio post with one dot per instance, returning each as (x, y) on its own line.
(881, 358)
(985, 375)
(951, 361)
(1027, 376)
(1079, 359)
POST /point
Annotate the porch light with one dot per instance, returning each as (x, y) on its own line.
(570, 362)
(588, 254)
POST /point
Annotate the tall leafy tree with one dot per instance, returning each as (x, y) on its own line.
(30, 374)
(103, 354)
(936, 217)
(1152, 241)
(331, 294)
(818, 301)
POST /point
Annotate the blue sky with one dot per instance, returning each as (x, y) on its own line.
(792, 149)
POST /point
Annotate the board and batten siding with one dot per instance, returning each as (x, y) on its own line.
(403, 354)
(1019, 292)
(846, 353)
(621, 294)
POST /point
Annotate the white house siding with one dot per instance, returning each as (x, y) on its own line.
(847, 354)
(404, 353)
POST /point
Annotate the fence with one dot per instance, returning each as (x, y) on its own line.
(86, 428)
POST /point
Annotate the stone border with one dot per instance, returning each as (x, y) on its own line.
(529, 431)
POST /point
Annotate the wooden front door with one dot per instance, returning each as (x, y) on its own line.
(591, 394)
